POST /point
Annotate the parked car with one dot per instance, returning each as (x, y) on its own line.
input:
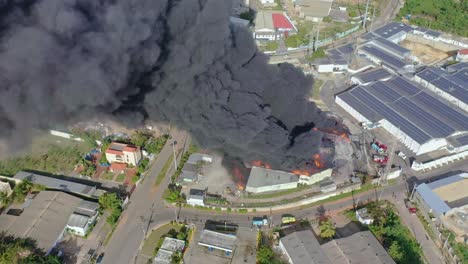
(99, 258)
(412, 210)
(288, 219)
(401, 155)
(259, 221)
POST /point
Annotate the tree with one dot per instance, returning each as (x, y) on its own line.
(15, 250)
(176, 258)
(139, 138)
(327, 229)
(181, 235)
(112, 203)
(396, 252)
(265, 255)
(248, 15)
(4, 199)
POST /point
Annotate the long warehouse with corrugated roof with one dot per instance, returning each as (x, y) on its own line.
(420, 119)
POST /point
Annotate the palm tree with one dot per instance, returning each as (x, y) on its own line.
(4, 199)
(327, 229)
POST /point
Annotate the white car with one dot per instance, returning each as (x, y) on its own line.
(401, 155)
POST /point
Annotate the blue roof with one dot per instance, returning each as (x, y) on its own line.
(438, 206)
(445, 181)
(391, 29)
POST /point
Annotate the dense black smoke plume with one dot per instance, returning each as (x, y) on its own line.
(179, 61)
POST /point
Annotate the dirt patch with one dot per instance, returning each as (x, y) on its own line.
(425, 53)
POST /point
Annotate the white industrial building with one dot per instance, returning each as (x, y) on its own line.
(273, 25)
(267, 180)
(450, 86)
(423, 122)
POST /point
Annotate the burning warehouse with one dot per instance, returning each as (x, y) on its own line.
(268, 180)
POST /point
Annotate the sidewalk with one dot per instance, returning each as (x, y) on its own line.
(430, 250)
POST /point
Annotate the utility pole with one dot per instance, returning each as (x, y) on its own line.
(317, 37)
(373, 17)
(383, 178)
(365, 15)
(175, 158)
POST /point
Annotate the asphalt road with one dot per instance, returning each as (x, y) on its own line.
(145, 202)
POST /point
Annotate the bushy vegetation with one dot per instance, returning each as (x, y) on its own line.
(271, 46)
(184, 159)
(55, 160)
(148, 142)
(248, 15)
(15, 250)
(319, 53)
(395, 237)
(173, 194)
(444, 15)
(112, 203)
(19, 193)
(327, 229)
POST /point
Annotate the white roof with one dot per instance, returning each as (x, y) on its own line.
(172, 244)
(260, 177)
(217, 240)
(77, 220)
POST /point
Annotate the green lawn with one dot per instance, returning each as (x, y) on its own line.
(108, 176)
(164, 170)
(316, 89)
(120, 178)
(364, 188)
(151, 242)
(276, 194)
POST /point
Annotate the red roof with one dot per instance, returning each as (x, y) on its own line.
(118, 166)
(130, 148)
(463, 51)
(280, 21)
(113, 151)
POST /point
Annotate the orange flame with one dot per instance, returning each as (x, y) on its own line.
(318, 161)
(301, 172)
(259, 163)
(239, 178)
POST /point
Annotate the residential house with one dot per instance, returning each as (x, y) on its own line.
(196, 197)
(117, 167)
(167, 249)
(123, 153)
(83, 217)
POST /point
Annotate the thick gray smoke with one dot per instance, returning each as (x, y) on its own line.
(179, 61)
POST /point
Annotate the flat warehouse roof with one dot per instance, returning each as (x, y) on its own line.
(260, 177)
(417, 113)
(217, 240)
(55, 183)
(395, 47)
(386, 58)
(455, 84)
(372, 75)
(391, 29)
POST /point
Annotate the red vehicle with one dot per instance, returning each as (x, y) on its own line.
(380, 159)
(412, 210)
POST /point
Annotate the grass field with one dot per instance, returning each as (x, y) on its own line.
(152, 241)
(163, 171)
(316, 89)
(120, 178)
(276, 194)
